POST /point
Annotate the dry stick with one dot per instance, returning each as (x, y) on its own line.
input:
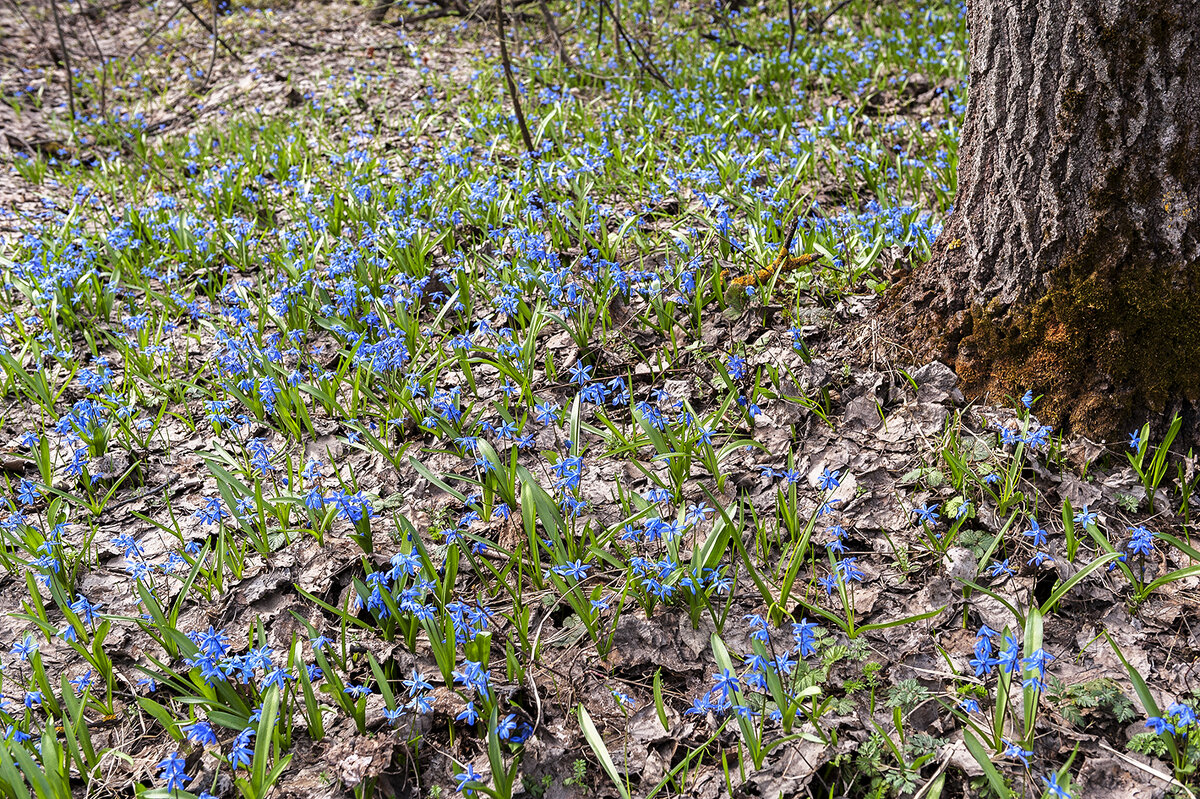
(213, 31)
(41, 33)
(563, 55)
(212, 59)
(732, 40)
(645, 63)
(154, 33)
(103, 64)
(62, 42)
(617, 38)
(512, 84)
(838, 7)
(791, 29)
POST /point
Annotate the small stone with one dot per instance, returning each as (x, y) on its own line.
(960, 564)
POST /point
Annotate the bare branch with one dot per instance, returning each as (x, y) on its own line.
(62, 42)
(512, 84)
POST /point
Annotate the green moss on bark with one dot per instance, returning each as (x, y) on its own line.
(1109, 342)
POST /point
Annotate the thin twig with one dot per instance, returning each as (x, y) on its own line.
(563, 55)
(87, 22)
(929, 783)
(154, 33)
(645, 63)
(35, 28)
(142, 495)
(821, 25)
(731, 42)
(62, 42)
(537, 722)
(512, 84)
(188, 7)
(791, 29)
(1151, 771)
(212, 59)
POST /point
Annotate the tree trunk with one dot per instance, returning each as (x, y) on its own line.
(1070, 264)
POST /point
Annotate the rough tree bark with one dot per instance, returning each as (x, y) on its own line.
(1070, 264)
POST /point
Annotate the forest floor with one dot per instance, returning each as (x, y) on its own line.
(353, 449)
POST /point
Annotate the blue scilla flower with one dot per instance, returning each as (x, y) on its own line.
(200, 732)
(173, 771)
(829, 480)
(1054, 788)
(241, 753)
(1141, 541)
(804, 633)
(926, 514)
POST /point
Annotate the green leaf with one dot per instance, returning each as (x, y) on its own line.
(1018, 615)
(985, 762)
(594, 739)
(1060, 590)
(745, 725)
(659, 706)
(162, 715)
(883, 625)
(1143, 693)
(266, 734)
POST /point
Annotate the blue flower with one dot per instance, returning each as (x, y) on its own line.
(1011, 656)
(507, 726)
(547, 413)
(172, 771)
(1039, 558)
(1141, 541)
(469, 716)
(847, 568)
(1014, 750)
(242, 753)
(1085, 516)
(24, 648)
(726, 682)
(1160, 725)
(1056, 790)
(804, 633)
(828, 480)
(926, 513)
(466, 780)
(1183, 715)
(581, 373)
(576, 569)
(200, 732)
(1036, 533)
(982, 663)
(1000, 568)
(417, 684)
